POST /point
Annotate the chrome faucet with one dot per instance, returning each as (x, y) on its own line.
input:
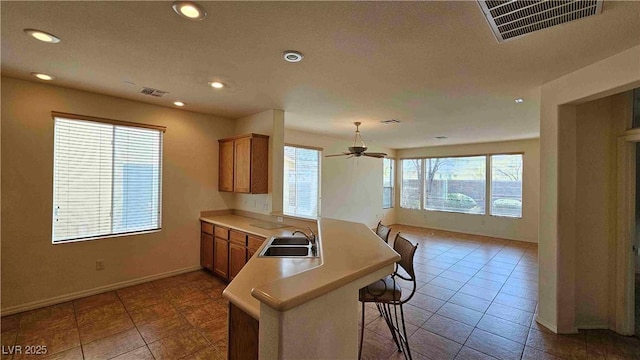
(311, 237)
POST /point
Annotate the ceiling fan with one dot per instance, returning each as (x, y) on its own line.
(360, 149)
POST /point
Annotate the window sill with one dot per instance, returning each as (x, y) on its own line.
(295, 217)
(105, 237)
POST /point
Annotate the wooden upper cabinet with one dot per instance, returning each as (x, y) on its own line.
(244, 164)
(225, 175)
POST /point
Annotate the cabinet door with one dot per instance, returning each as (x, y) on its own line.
(221, 258)
(250, 253)
(225, 173)
(242, 166)
(206, 251)
(237, 259)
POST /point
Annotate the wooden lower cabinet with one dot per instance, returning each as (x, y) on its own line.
(206, 251)
(221, 257)
(225, 251)
(243, 335)
(237, 259)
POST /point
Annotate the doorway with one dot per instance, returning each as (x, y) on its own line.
(627, 317)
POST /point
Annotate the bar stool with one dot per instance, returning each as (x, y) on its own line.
(383, 231)
(388, 293)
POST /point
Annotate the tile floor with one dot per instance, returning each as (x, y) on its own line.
(476, 299)
(181, 317)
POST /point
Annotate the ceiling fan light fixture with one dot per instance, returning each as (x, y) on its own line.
(359, 150)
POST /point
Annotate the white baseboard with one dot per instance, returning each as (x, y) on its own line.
(593, 326)
(547, 324)
(80, 294)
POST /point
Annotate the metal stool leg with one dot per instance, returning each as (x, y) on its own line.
(387, 318)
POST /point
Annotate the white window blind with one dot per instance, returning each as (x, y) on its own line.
(107, 179)
(301, 181)
(506, 185)
(387, 183)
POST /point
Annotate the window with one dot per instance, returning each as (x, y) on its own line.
(411, 189)
(387, 183)
(455, 184)
(107, 179)
(301, 181)
(459, 184)
(506, 185)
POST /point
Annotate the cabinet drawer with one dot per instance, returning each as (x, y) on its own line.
(222, 233)
(205, 227)
(254, 242)
(238, 237)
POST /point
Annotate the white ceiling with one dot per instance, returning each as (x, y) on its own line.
(434, 65)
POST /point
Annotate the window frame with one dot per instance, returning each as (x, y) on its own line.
(392, 182)
(488, 180)
(318, 205)
(120, 123)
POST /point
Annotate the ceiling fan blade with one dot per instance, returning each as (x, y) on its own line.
(375, 155)
(343, 154)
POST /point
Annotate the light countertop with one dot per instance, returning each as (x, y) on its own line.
(348, 251)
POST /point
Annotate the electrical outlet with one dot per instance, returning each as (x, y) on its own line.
(280, 219)
(100, 264)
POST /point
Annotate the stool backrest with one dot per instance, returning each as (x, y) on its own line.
(407, 251)
(383, 231)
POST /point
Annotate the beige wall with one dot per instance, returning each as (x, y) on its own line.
(351, 189)
(525, 228)
(33, 269)
(558, 257)
(597, 128)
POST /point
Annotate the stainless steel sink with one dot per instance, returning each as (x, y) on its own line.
(289, 246)
(286, 251)
(290, 240)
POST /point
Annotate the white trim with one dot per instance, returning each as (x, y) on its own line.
(547, 324)
(84, 293)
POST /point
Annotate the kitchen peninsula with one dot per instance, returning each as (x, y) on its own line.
(307, 307)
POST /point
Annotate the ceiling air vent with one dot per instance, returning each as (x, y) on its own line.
(510, 18)
(153, 92)
(390, 121)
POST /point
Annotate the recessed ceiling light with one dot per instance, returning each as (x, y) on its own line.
(42, 36)
(440, 137)
(43, 76)
(216, 84)
(189, 10)
(292, 56)
(519, 100)
(178, 103)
